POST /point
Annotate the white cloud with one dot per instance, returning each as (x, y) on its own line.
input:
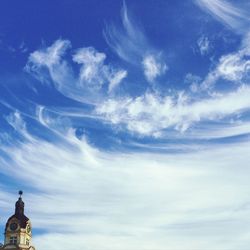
(204, 45)
(95, 72)
(116, 78)
(234, 67)
(15, 120)
(92, 62)
(51, 59)
(90, 199)
(89, 85)
(193, 81)
(51, 55)
(220, 131)
(86, 198)
(149, 114)
(131, 45)
(227, 13)
(23, 47)
(153, 67)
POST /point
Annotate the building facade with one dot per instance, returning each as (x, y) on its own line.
(18, 230)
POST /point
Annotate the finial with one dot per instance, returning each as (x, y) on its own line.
(20, 193)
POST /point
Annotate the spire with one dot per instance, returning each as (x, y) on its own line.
(19, 205)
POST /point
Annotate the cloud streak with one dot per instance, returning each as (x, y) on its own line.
(89, 85)
(124, 198)
(224, 11)
(131, 45)
(150, 114)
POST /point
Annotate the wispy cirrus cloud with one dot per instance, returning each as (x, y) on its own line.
(84, 195)
(204, 45)
(234, 17)
(120, 197)
(48, 65)
(116, 78)
(89, 84)
(150, 114)
(233, 67)
(193, 81)
(94, 72)
(153, 67)
(130, 43)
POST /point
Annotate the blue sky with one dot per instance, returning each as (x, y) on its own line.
(127, 123)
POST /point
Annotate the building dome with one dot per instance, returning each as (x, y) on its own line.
(19, 213)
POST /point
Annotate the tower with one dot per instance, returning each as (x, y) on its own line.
(18, 229)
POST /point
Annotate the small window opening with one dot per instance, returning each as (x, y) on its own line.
(13, 240)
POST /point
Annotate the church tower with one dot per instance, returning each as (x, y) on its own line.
(18, 229)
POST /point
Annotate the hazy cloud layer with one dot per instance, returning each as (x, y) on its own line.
(114, 200)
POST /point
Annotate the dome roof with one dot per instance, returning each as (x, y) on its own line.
(22, 220)
(19, 213)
